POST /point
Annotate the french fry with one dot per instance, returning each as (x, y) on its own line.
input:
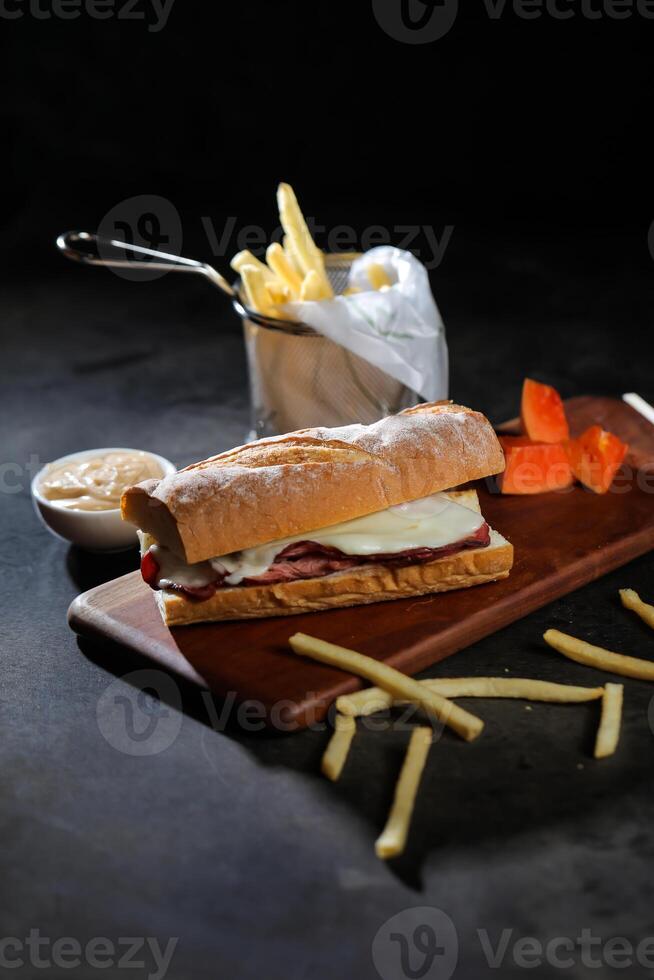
(631, 600)
(598, 657)
(312, 287)
(279, 263)
(291, 257)
(339, 745)
(373, 699)
(608, 733)
(392, 839)
(399, 685)
(296, 229)
(526, 688)
(366, 702)
(257, 295)
(279, 293)
(351, 291)
(377, 275)
(304, 248)
(247, 258)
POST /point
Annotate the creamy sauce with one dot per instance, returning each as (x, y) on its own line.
(431, 522)
(96, 482)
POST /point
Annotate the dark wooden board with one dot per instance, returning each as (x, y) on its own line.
(561, 540)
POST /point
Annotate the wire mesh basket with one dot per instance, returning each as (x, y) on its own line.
(299, 379)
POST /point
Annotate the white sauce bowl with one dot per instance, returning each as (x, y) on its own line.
(93, 530)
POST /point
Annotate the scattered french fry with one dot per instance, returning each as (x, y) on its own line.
(366, 702)
(373, 699)
(247, 258)
(598, 657)
(279, 263)
(257, 295)
(339, 745)
(631, 600)
(399, 685)
(392, 840)
(608, 733)
(377, 275)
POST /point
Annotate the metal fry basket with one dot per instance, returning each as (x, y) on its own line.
(299, 379)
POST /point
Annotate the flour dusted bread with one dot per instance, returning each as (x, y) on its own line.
(296, 483)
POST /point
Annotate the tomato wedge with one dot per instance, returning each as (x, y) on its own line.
(534, 467)
(595, 457)
(542, 413)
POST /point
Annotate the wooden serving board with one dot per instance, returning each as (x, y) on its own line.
(561, 540)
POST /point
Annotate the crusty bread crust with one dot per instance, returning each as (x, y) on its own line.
(353, 587)
(292, 484)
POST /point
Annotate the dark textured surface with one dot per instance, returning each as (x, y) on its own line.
(232, 841)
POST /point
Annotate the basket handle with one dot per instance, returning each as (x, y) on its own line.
(81, 246)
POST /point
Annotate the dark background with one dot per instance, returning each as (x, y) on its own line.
(539, 123)
(530, 138)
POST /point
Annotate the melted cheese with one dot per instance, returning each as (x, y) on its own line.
(431, 522)
(175, 571)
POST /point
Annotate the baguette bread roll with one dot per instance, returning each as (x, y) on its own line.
(353, 587)
(288, 485)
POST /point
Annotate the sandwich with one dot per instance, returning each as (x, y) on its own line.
(323, 518)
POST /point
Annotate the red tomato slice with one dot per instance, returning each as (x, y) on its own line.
(150, 570)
